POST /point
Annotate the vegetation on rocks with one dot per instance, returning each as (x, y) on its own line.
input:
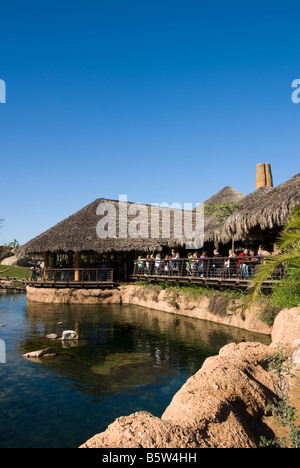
(284, 414)
(287, 293)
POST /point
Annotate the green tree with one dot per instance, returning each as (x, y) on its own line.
(14, 244)
(289, 244)
(222, 211)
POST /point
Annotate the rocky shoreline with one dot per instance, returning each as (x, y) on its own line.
(217, 309)
(223, 404)
(216, 408)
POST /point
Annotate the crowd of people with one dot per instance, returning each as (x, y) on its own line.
(201, 265)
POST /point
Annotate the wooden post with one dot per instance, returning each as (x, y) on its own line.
(46, 264)
(77, 265)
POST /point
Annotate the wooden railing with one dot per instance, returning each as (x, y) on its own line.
(214, 270)
(67, 277)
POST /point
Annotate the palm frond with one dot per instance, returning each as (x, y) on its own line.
(265, 270)
(288, 238)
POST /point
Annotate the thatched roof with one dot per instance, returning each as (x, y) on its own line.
(79, 231)
(226, 195)
(265, 208)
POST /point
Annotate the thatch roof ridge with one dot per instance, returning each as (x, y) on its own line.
(266, 207)
(78, 233)
(226, 195)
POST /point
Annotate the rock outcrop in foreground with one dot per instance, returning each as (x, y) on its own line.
(221, 405)
(217, 407)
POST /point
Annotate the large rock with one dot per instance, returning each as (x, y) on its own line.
(16, 261)
(10, 261)
(217, 407)
(41, 353)
(286, 334)
(73, 296)
(69, 335)
(52, 336)
(142, 430)
(286, 329)
(235, 383)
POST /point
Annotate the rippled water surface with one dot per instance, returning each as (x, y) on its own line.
(127, 359)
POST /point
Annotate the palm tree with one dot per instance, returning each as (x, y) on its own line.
(289, 244)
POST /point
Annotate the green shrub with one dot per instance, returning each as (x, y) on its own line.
(268, 314)
(287, 293)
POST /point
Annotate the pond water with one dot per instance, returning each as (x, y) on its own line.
(127, 359)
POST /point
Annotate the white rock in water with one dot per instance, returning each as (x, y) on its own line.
(69, 335)
(41, 353)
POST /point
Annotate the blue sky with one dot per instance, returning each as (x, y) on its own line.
(164, 101)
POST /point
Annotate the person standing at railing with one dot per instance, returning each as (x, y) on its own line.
(177, 263)
(140, 264)
(34, 272)
(242, 265)
(157, 264)
(252, 263)
(229, 263)
(174, 255)
(152, 264)
(189, 263)
(217, 264)
(262, 252)
(201, 265)
(174, 262)
(196, 264)
(166, 264)
(147, 264)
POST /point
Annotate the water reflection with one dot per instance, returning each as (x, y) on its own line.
(123, 346)
(127, 359)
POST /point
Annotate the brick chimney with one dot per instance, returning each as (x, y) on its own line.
(263, 176)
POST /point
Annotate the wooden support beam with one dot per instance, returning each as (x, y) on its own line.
(77, 265)
(46, 264)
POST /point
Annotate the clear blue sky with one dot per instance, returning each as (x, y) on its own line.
(165, 101)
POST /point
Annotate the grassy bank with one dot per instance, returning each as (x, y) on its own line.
(13, 272)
